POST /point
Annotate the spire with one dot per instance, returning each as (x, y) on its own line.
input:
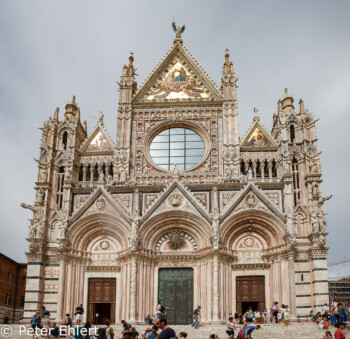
(228, 80)
(55, 115)
(100, 119)
(301, 105)
(85, 126)
(256, 114)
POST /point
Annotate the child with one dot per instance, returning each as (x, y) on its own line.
(327, 335)
(286, 315)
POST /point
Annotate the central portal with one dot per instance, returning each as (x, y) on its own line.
(175, 292)
(250, 292)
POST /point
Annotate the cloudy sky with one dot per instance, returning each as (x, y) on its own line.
(51, 50)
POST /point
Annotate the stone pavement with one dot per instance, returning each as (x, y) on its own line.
(294, 330)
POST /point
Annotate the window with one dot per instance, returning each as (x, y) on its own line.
(7, 299)
(180, 146)
(64, 140)
(292, 133)
(10, 277)
(24, 279)
(59, 191)
(296, 184)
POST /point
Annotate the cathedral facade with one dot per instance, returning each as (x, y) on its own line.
(177, 208)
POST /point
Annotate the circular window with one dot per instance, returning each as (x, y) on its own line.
(180, 146)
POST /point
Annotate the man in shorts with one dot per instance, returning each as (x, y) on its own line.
(79, 311)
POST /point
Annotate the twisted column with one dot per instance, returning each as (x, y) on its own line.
(133, 290)
(291, 274)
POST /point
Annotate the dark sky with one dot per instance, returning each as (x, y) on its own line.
(51, 50)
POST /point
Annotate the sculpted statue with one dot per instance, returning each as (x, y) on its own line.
(122, 175)
(314, 167)
(36, 209)
(40, 197)
(314, 222)
(43, 175)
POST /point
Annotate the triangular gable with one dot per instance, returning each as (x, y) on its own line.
(98, 142)
(178, 77)
(251, 197)
(258, 138)
(177, 195)
(100, 201)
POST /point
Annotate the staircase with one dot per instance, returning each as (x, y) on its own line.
(276, 331)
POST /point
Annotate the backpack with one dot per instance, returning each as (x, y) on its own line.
(345, 312)
(102, 333)
(162, 309)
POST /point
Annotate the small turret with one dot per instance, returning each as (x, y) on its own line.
(287, 101)
(301, 105)
(71, 110)
(55, 115)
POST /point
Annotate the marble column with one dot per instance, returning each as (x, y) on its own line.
(291, 273)
(133, 286)
(215, 288)
(61, 284)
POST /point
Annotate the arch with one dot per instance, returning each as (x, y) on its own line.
(185, 234)
(87, 228)
(292, 133)
(160, 224)
(64, 140)
(264, 224)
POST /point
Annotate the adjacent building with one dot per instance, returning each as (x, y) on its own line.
(12, 290)
(180, 207)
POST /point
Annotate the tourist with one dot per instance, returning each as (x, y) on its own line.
(230, 327)
(265, 316)
(343, 314)
(79, 311)
(338, 334)
(86, 333)
(250, 315)
(127, 329)
(247, 332)
(150, 333)
(68, 324)
(311, 316)
(167, 332)
(275, 312)
(45, 323)
(237, 318)
(327, 335)
(54, 330)
(325, 308)
(257, 316)
(286, 315)
(182, 335)
(213, 336)
(148, 320)
(44, 312)
(36, 323)
(159, 310)
(109, 330)
(134, 333)
(196, 315)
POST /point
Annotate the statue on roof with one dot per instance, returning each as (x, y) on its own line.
(178, 30)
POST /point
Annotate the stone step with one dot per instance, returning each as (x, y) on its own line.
(294, 330)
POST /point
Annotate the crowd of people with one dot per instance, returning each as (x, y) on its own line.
(243, 324)
(333, 314)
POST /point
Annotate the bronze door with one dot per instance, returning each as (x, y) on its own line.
(250, 292)
(101, 300)
(175, 292)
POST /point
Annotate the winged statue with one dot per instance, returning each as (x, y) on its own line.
(178, 30)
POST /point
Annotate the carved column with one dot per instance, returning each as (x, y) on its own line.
(215, 288)
(61, 284)
(291, 273)
(84, 173)
(133, 289)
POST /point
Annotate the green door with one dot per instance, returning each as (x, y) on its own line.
(175, 292)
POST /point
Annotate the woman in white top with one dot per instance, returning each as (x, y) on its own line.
(230, 326)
